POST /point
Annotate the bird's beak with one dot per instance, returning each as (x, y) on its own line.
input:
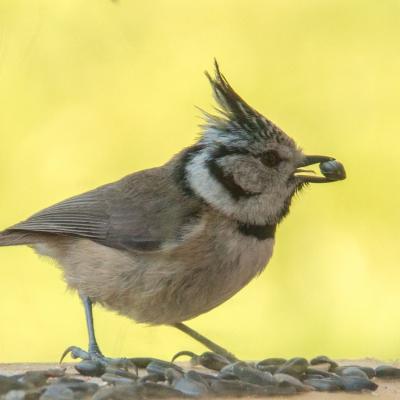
(331, 170)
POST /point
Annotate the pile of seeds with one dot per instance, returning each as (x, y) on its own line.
(210, 376)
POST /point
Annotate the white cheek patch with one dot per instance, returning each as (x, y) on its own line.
(264, 208)
(258, 209)
(206, 186)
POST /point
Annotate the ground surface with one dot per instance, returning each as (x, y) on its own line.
(388, 389)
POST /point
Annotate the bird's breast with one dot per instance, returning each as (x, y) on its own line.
(204, 272)
(177, 283)
(240, 258)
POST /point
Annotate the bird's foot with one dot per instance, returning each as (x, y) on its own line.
(94, 363)
(208, 359)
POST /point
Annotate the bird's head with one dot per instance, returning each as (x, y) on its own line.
(244, 165)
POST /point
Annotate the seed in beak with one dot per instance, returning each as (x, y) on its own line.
(333, 170)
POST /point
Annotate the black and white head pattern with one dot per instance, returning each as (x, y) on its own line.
(243, 163)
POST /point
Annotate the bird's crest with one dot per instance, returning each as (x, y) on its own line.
(235, 112)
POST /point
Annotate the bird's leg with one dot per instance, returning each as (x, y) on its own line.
(93, 346)
(207, 342)
(94, 353)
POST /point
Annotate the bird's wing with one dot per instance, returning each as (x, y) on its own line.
(141, 212)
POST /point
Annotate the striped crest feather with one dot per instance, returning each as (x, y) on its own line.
(234, 112)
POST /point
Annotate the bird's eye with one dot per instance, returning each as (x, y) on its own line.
(270, 158)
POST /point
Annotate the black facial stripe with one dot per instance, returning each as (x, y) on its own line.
(223, 151)
(226, 180)
(288, 201)
(261, 232)
(180, 170)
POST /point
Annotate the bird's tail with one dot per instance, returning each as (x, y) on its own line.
(15, 238)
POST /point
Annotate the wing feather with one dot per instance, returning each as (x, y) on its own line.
(140, 212)
(82, 215)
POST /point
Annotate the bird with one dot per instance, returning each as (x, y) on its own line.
(166, 244)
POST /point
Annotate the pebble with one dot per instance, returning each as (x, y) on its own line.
(57, 392)
(218, 378)
(78, 386)
(55, 372)
(295, 366)
(158, 367)
(230, 367)
(387, 372)
(352, 371)
(208, 378)
(292, 381)
(369, 371)
(32, 394)
(321, 360)
(357, 384)
(15, 395)
(34, 378)
(227, 375)
(191, 387)
(279, 390)
(268, 368)
(138, 391)
(212, 361)
(8, 383)
(119, 392)
(324, 384)
(311, 371)
(155, 390)
(172, 375)
(249, 374)
(270, 364)
(142, 362)
(115, 379)
(271, 361)
(90, 368)
(222, 387)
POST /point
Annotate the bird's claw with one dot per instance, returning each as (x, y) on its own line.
(193, 356)
(94, 360)
(75, 352)
(207, 359)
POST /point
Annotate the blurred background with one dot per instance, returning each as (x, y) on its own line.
(91, 91)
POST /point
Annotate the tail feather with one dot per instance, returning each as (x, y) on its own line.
(15, 238)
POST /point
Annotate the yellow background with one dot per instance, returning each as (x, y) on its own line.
(93, 90)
